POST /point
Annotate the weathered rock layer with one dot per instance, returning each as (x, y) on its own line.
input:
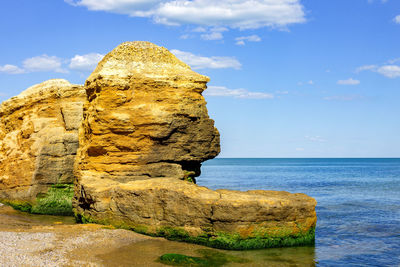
(145, 117)
(39, 139)
(183, 211)
(145, 130)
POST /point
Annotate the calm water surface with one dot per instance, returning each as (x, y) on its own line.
(358, 203)
(358, 212)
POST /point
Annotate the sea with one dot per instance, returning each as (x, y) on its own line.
(358, 214)
(358, 206)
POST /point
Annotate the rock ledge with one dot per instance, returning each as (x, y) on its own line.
(183, 211)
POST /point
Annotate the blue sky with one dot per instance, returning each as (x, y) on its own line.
(289, 78)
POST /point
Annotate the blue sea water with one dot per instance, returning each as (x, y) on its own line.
(358, 201)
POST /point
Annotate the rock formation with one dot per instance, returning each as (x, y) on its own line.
(39, 140)
(145, 117)
(144, 134)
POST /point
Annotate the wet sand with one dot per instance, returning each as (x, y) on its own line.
(37, 240)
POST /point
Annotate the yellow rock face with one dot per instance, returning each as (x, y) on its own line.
(145, 117)
(167, 202)
(145, 128)
(39, 138)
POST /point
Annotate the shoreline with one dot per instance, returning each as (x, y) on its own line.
(41, 240)
(45, 240)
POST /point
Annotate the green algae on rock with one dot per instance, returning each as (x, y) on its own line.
(18, 204)
(209, 258)
(183, 260)
(56, 201)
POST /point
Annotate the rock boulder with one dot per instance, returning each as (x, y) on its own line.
(39, 139)
(144, 118)
(183, 211)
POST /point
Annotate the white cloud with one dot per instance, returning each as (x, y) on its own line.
(343, 97)
(382, 1)
(242, 14)
(11, 69)
(236, 93)
(86, 62)
(242, 40)
(299, 149)
(43, 63)
(390, 71)
(184, 36)
(200, 62)
(212, 36)
(393, 61)
(219, 29)
(315, 138)
(397, 19)
(199, 29)
(140, 8)
(350, 81)
(366, 67)
(310, 82)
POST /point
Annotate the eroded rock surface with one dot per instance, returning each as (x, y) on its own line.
(180, 210)
(145, 117)
(145, 128)
(39, 139)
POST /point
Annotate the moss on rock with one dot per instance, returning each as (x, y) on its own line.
(182, 260)
(220, 240)
(57, 201)
(18, 204)
(209, 258)
(234, 241)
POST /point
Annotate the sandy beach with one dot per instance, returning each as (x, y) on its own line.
(32, 240)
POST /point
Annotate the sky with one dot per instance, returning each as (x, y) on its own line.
(289, 78)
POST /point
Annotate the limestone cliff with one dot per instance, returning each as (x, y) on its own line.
(145, 128)
(39, 139)
(145, 117)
